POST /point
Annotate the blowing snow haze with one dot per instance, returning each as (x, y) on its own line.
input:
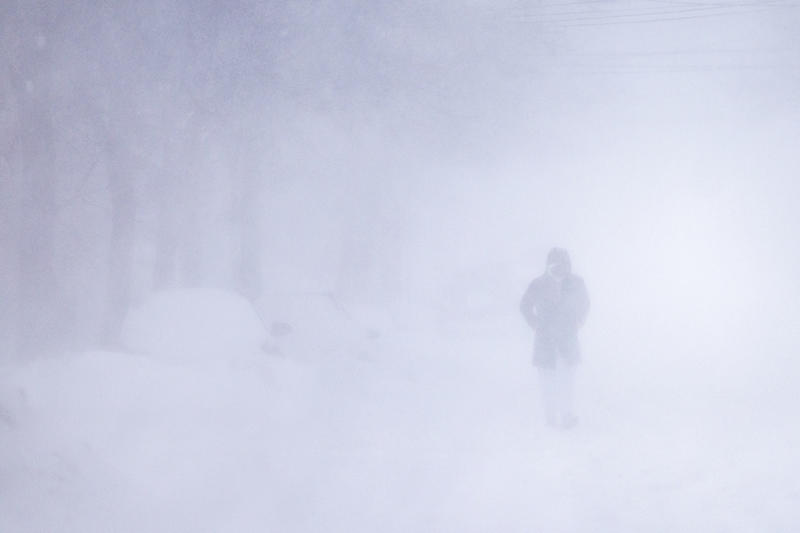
(261, 265)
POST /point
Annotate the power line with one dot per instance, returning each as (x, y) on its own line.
(685, 52)
(663, 69)
(715, 4)
(642, 14)
(633, 14)
(667, 19)
(626, 12)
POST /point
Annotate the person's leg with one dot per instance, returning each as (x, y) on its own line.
(548, 386)
(566, 394)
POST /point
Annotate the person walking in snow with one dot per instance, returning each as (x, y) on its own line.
(555, 306)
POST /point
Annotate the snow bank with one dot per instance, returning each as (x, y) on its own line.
(119, 442)
(192, 324)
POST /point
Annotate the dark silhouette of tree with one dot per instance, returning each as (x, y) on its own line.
(32, 69)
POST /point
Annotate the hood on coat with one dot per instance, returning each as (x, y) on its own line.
(559, 256)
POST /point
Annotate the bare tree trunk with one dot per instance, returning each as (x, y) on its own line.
(166, 235)
(121, 246)
(191, 233)
(9, 230)
(179, 261)
(193, 196)
(248, 273)
(166, 189)
(37, 316)
(39, 320)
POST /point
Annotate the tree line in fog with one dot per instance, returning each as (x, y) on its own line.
(131, 132)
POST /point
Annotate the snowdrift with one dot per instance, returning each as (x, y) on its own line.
(105, 441)
(194, 324)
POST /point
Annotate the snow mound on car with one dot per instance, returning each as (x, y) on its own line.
(194, 324)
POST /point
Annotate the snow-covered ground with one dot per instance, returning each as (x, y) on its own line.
(449, 441)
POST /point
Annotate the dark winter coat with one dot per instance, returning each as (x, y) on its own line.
(555, 310)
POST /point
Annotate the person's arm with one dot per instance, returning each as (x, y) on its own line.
(583, 304)
(526, 306)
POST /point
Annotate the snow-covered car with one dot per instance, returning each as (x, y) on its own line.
(194, 325)
(314, 325)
